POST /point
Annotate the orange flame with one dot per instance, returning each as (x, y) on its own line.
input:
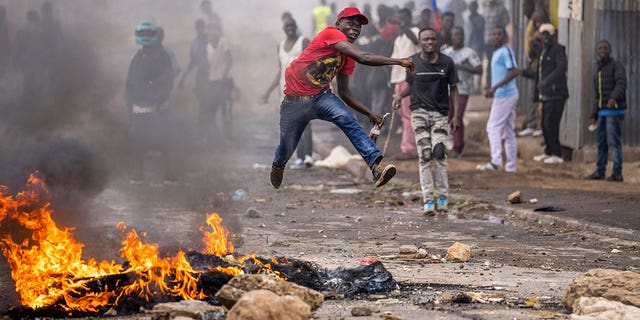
(216, 242)
(48, 268)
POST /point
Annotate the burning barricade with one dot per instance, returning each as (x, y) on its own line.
(52, 278)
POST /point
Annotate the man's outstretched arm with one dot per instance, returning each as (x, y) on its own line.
(371, 59)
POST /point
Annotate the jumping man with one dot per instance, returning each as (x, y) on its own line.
(308, 96)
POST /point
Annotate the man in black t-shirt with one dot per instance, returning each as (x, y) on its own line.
(433, 89)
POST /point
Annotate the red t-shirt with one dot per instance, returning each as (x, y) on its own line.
(317, 65)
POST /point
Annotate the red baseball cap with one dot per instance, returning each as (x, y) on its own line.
(353, 12)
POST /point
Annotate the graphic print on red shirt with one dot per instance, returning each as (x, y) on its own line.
(317, 65)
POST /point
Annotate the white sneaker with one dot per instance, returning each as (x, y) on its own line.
(487, 167)
(553, 160)
(308, 161)
(525, 132)
(537, 133)
(541, 157)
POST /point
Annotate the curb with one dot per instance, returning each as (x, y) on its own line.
(569, 223)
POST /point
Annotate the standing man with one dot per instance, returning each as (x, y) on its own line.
(289, 49)
(551, 90)
(610, 81)
(495, 15)
(308, 96)
(405, 45)
(501, 123)
(433, 91)
(468, 64)
(148, 87)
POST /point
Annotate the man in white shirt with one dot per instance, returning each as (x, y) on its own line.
(405, 45)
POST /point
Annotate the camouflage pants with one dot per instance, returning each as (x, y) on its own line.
(431, 130)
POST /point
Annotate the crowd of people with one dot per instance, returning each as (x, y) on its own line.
(420, 61)
(432, 91)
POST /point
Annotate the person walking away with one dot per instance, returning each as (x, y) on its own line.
(148, 88)
(405, 45)
(503, 90)
(551, 90)
(289, 49)
(433, 89)
(320, 14)
(610, 82)
(467, 64)
(476, 39)
(331, 54)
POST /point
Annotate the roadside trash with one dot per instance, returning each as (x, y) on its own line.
(515, 197)
(337, 158)
(549, 209)
(534, 200)
(239, 195)
(616, 251)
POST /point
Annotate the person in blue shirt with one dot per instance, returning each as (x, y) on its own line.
(503, 90)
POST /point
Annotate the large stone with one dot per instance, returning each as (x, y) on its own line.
(458, 252)
(266, 305)
(590, 308)
(231, 292)
(622, 286)
(515, 197)
(192, 309)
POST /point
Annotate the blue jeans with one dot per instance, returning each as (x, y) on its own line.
(609, 138)
(294, 117)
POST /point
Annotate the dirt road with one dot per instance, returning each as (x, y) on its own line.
(329, 218)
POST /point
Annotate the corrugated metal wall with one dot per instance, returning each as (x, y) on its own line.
(618, 21)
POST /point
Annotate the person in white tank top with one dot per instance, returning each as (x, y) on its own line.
(288, 50)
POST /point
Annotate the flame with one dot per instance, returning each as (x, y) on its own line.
(216, 242)
(48, 268)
